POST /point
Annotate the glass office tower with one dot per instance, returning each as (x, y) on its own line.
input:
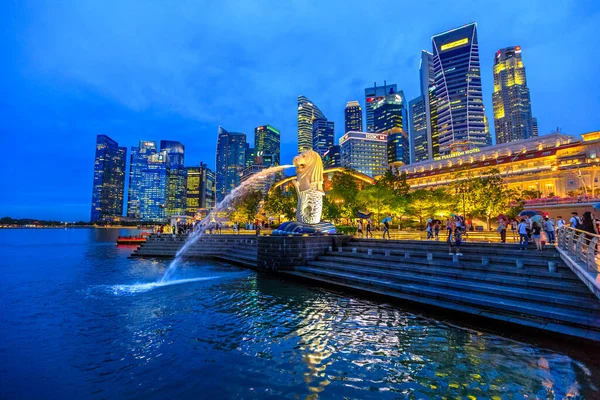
(307, 113)
(138, 162)
(372, 95)
(267, 140)
(109, 180)
(353, 117)
(323, 135)
(231, 152)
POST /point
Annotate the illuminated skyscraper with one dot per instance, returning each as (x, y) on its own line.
(138, 163)
(109, 179)
(353, 117)
(200, 189)
(154, 188)
(249, 156)
(307, 113)
(421, 133)
(231, 151)
(373, 94)
(390, 118)
(176, 203)
(332, 158)
(512, 104)
(534, 125)
(192, 196)
(459, 100)
(323, 135)
(267, 141)
(364, 152)
(207, 187)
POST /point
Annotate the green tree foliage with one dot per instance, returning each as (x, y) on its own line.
(490, 196)
(344, 194)
(245, 208)
(531, 194)
(279, 203)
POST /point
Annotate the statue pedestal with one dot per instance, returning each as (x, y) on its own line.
(298, 228)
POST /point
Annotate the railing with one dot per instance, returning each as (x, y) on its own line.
(581, 246)
(553, 201)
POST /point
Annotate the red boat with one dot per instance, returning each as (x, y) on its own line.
(133, 240)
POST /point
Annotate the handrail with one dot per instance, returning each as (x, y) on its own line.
(581, 246)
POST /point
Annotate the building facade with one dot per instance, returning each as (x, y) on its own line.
(511, 100)
(390, 118)
(249, 156)
(109, 179)
(208, 188)
(267, 140)
(323, 135)
(372, 95)
(154, 188)
(176, 203)
(137, 164)
(364, 152)
(423, 146)
(556, 165)
(200, 196)
(231, 152)
(331, 158)
(353, 117)
(307, 113)
(458, 95)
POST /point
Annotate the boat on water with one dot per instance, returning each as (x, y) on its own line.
(133, 240)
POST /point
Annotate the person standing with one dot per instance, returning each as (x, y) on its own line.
(536, 234)
(574, 221)
(549, 228)
(369, 228)
(588, 224)
(436, 229)
(429, 229)
(523, 238)
(560, 222)
(513, 228)
(360, 228)
(386, 226)
(502, 230)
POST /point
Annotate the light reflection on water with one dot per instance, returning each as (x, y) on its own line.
(88, 322)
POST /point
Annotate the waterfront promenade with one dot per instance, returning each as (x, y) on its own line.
(492, 282)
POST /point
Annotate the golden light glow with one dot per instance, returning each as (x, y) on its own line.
(454, 44)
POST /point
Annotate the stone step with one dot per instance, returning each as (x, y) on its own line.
(565, 275)
(517, 319)
(433, 271)
(568, 299)
(586, 320)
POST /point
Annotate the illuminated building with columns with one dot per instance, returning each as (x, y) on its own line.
(557, 165)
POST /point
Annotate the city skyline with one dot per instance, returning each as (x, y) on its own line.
(59, 95)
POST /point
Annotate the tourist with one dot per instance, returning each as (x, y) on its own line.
(456, 243)
(386, 225)
(523, 229)
(574, 221)
(369, 233)
(536, 234)
(549, 228)
(513, 228)
(502, 229)
(257, 229)
(436, 229)
(560, 222)
(588, 225)
(429, 229)
(360, 228)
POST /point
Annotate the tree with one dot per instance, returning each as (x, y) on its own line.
(531, 194)
(278, 203)
(420, 205)
(490, 195)
(344, 194)
(378, 198)
(245, 208)
(395, 181)
(331, 211)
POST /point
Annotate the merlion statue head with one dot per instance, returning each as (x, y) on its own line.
(309, 171)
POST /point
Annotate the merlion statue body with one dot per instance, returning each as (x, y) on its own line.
(309, 185)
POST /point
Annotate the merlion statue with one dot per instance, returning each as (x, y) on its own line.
(309, 185)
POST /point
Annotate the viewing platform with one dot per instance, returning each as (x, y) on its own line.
(490, 284)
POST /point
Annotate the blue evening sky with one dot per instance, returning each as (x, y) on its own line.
(150, 70)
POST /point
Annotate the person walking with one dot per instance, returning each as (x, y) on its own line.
(513, 228)
(359, 230)
(536, 234)
(436, 229)
(386, 226)
(588, 224)
(560, 222)
(369, 228)
(574, 221)
(502, 229)
(523, 238)
(455, 234)
(549, 228)
(429, 229)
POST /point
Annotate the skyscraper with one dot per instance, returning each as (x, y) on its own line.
(364, 152)
(390, 118)
(459, 100)
(192, 196)
(176, 192)
(267, 140)
(154, 188)
(200, 189)
(421, 133)
(534, 124)
(138, 163)
(353, 117)
(512, 104)
(109, 179)
(249, 156)
(332, 158)
(373, 94)
(323, 135)
(231, 149)
(307, 113)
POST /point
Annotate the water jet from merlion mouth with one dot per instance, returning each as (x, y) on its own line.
(223, 205)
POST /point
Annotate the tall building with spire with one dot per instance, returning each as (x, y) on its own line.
(512, 103)
(109, 179)
(231, 152)
(353, 117)
(307, 113)
(459, 98)
(372, 95)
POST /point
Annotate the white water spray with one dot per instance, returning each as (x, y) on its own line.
(222, 206)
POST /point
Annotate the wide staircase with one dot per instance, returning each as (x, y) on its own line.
(238, 249)
(499, 282)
